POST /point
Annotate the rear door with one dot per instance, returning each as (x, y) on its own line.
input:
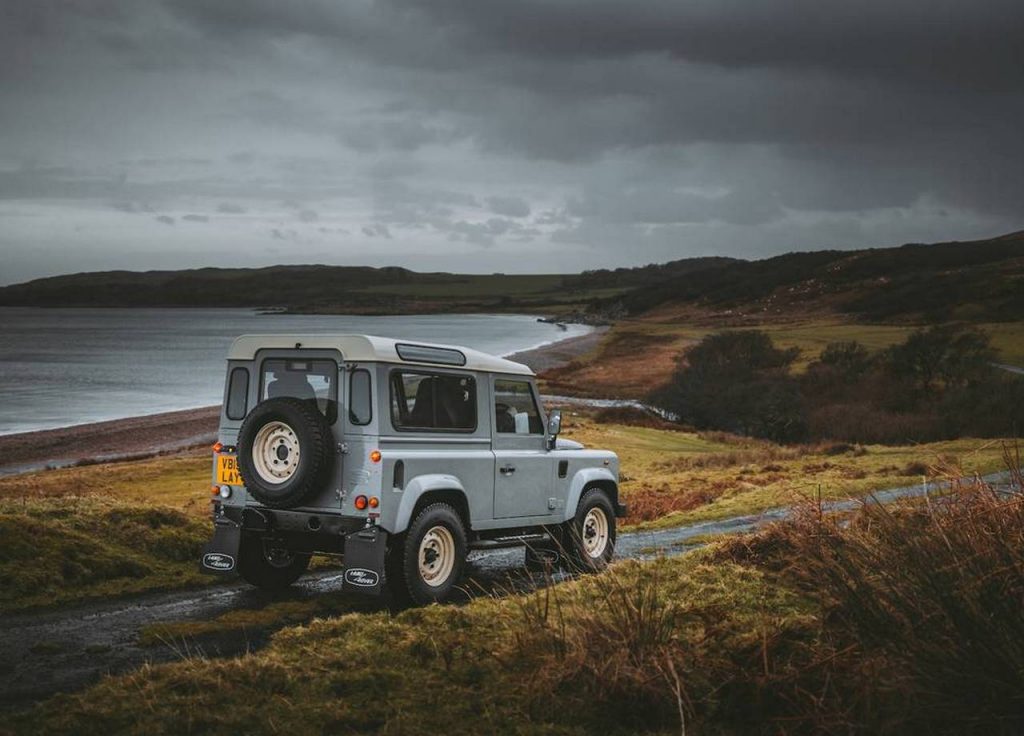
(523, 470)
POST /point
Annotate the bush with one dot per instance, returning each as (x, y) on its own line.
(938, 384)
(739, 382)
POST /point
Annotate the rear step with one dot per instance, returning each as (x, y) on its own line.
(514, 540)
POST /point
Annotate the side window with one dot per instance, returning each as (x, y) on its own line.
(433, 401)
(360, 400)
(312, 380)
(238, 394)
(515, 411)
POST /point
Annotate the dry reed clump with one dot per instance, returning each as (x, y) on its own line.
(921, 623)
(656, 645)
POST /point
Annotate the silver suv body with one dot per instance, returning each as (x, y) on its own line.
(400, 457)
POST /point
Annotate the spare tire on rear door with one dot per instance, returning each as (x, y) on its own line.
(285, 451)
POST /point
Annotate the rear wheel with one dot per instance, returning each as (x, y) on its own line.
(427, 562)
(266, 566)
(592, 532)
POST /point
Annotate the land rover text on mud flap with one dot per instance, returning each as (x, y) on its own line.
(400, 457)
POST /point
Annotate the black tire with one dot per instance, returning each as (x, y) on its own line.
(580, 531)
(268, 567)
(405, 579)
(315, 452)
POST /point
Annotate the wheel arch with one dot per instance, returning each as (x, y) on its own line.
(424, 490)
(588, 478)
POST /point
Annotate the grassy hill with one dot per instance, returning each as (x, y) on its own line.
(321, 288)
(981, 281)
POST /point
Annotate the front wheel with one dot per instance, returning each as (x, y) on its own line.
(591, 534)
(427, 563)
(262, 564)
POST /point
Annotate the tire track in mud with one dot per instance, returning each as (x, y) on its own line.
(43, 653)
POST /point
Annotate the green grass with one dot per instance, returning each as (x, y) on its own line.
(257, 621)
(485, 667)
(61, 550)
(672, 478)
(106, 530)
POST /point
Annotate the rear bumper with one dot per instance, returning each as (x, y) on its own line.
(363, 548)
(315, 525)
(621, 510)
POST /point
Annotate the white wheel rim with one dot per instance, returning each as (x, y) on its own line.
(595, 532)
(275, 452)
(437, 556)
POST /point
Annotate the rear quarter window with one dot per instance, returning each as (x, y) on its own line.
(360, 399)
(426, 401)
(238, 394)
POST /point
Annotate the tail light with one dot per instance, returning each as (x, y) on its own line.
(360, 502)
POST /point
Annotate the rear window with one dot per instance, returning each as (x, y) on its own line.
(310, 380)
(433, 401)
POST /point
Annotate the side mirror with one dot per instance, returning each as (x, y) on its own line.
(554, 427)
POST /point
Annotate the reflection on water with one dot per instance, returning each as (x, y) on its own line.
(70, 366)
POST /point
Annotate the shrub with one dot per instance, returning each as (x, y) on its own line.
(938, 384)
(943, 355)
(737, 381)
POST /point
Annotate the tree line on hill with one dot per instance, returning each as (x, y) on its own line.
(940, 383)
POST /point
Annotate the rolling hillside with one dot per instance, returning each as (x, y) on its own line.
(980, 280)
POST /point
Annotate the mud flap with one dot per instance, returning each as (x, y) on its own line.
(220, 556)
(364, 561)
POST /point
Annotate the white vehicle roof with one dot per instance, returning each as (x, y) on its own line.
(370, 348)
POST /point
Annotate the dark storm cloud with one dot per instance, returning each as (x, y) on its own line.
(443, 128)
(911, 92)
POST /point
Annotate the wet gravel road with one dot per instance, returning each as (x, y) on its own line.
(66, 649)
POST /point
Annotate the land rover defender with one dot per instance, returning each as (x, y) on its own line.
(399, 457)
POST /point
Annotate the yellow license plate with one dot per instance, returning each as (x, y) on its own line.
(227, 470)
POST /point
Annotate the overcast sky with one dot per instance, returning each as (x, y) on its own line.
(517, 135)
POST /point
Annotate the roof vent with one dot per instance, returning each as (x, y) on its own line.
(429, 354)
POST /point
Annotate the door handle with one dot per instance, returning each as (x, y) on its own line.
(507, 470)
